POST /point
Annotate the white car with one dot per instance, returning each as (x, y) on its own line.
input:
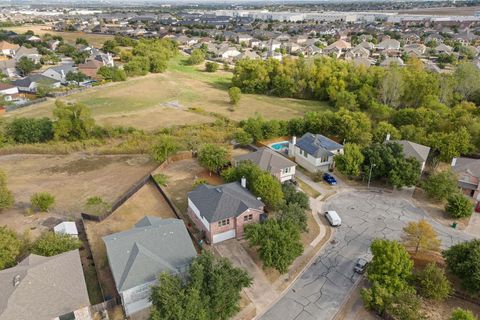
(333, 218)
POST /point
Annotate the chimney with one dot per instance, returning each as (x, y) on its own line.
(454, 162)
(294, 140)
(243, 182)
(388, 137)
(16, 280)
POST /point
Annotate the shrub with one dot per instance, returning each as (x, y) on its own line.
(10, 247)
(461, 314)
(440, 185)
(213, 157)
(242, 137)
(160, 179)
(50, 244)
(6, 196)
(211, 66)
(42, 201)
(198, 182)
(96, 205)
(196, 57)
(433, 284)
(235, 94)
(463, 260)
(458, 206)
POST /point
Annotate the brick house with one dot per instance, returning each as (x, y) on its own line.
(222, 211)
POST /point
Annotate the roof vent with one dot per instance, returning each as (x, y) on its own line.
(218, 190)
(16, 280)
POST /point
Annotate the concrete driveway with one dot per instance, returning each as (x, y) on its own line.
(261, 291)
(322, 288)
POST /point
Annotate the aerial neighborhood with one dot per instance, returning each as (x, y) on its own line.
(240, 161)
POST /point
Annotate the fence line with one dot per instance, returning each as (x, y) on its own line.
(23, 105)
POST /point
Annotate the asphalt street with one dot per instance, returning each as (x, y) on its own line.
(320, 290)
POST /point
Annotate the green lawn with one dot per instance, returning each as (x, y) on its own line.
(162, 100)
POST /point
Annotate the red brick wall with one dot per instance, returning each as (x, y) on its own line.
(240, 222)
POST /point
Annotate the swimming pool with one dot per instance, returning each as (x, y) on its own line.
(279, 146)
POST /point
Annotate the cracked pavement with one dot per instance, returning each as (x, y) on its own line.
(320, 291)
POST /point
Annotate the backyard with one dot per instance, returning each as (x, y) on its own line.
(161, 100)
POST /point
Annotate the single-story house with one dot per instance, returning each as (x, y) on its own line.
(45, 288)
(30, 53)
(314, 152)
(415, 150)
(66, 227)
(227, 53)
(9, 68)
(31, 83)
(59, 73)
(468, 171)
(137, 256)
(90, 68)
(389, 44)
(8, 49)
(271, 161)
(7, 89)
(222, 211)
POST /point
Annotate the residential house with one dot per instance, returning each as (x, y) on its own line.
(271, 161)
(222, 211)
(90, 68)
(8, 90)
(468, 171)
(357, 52)
(53, 44)
(247, 54)
(59, 73)
(245, 38)
(9, 68)
(229, 52)
(30, 53)
(314, 152)
(137, 256)
(8, 49)
(312, 50)
(255, 43)
(412, 149)
(293, 47)
(45, 288)
(31, 83)
(34, 39)
(337, 48)
(443, 48)
(389, 44)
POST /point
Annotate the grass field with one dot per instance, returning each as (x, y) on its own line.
(161, 100)
(96, 40)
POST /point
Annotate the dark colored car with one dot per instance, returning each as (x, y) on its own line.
(328, 178)
(360, 266)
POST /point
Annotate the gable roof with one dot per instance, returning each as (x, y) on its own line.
(4, 45)
(49, 287)
(27, 81)
(412, 149)
(62, 67)
(267, 160)
(472, 166)
(154, 245)
(220, 202)
(22, 51)
(317, 145)
(90, 64)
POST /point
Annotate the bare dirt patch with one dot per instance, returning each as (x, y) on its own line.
(147, 201)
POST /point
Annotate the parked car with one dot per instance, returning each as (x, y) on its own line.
(328, 178)
(360, 266)
(333, 218)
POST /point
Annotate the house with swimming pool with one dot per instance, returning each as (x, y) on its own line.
(271, 161)
(314, 152)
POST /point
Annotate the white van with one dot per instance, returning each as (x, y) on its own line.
(333, 218)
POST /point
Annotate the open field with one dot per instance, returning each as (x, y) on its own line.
(71, 179)
(162, 100)
(147, 201)
(96, 40)
(444, 11)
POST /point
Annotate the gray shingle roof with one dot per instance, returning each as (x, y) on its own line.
(412, 149)
(220, 202)
(469, 165)
(49, 287)
(25, 82)
(317, 145)
(154, 245)
(267, 160)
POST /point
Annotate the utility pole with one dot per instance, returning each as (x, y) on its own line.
(370, 174)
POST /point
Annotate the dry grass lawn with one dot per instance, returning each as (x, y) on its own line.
(96, 40)
(147, 201)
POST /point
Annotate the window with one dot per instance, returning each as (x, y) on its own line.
(223, 222)
(248, 218)
(286, 170)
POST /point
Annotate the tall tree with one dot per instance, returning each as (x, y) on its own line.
(74, 121)
(463, 260)
(432, 282)
(391, 87)
(421, 237)
(440, 185)
(213, 157)
(350, 162)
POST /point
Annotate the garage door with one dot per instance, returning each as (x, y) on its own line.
(224, 236)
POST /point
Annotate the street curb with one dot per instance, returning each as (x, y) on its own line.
(345, 300)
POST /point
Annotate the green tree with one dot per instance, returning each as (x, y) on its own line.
(51, 243)
(196, 57)
(278, 241)
(293, 196)
(81, 41)
(458, 206)
(73, 121)
(467, 80)
(440, 185)
(268, 189)
(452, 144)
(76, 77)
(382, 129)
(235, 94)
(112, 73)
(389, 273)
(213, 157)
(405, 305)
(350, 162)
(6, 196)
(211, 66)
(420, 236)
(110, 46)
(164, 148)
(42, 201)
(463, 260)
(138, 66)
(461, 314)
(294, 213)
(26, 65)
(10, 247)
(242, 137)
(211, 291)
(432, 283)
(30, 130)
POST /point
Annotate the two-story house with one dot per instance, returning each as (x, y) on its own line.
(222, 211)
(268, 160)
(314, 152)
